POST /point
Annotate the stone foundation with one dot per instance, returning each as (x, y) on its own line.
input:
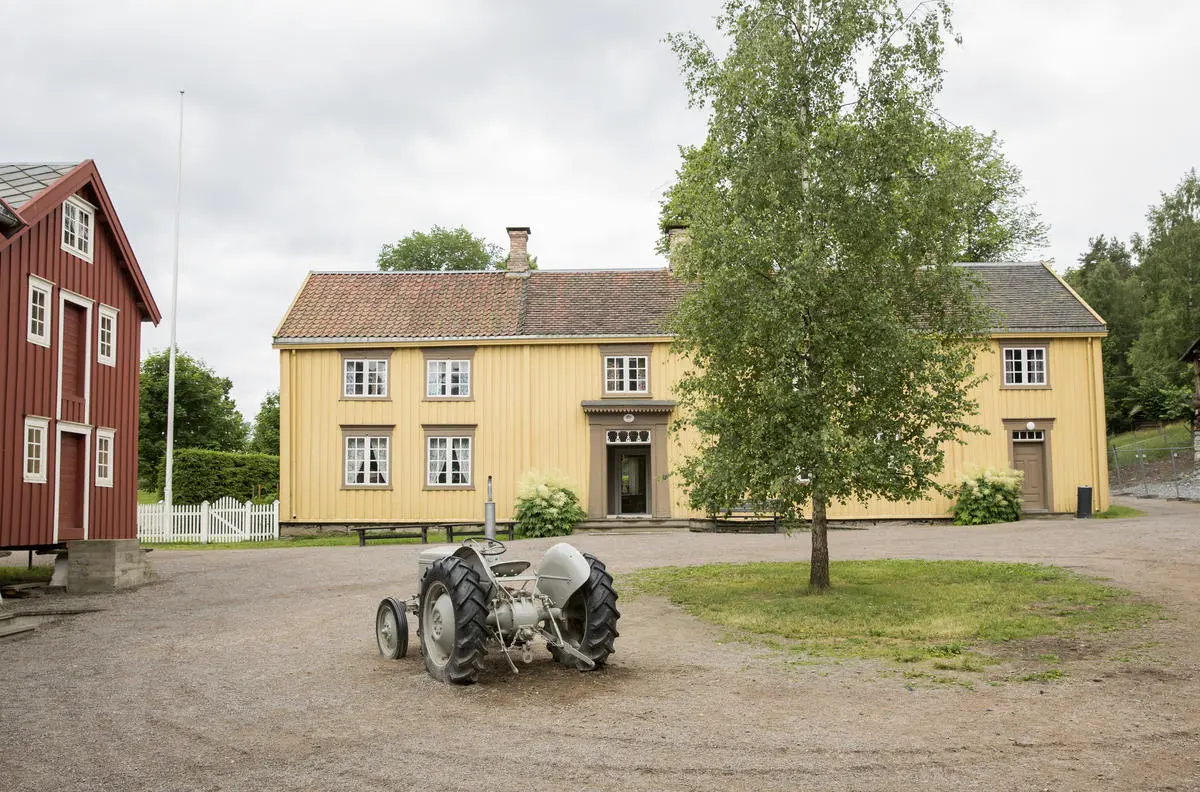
(97, 566)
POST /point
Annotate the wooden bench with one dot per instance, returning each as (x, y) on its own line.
(748, 522)
(395, 531)
(462, 530)
(465, 530)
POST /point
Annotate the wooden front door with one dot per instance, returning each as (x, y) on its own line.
(629, 479)
(1030, 459)
(72, 478)
(73, 374)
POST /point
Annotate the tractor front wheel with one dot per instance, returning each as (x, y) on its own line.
(453, 622)
(391, 629)
(590, 619)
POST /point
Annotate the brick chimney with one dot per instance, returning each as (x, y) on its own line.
(518, 253)
(676, 236)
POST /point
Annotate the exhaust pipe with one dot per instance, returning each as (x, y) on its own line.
(489, 514)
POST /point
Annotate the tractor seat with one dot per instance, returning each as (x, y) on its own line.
(509, 568)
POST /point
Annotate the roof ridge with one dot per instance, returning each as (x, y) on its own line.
(999, 263)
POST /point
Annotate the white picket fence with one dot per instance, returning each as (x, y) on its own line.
(227, 520)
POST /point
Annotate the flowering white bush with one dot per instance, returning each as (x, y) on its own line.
(546, 505)
(989, 496)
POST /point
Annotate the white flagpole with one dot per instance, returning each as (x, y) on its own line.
(167, 488)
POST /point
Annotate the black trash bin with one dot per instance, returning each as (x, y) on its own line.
(1084, 508)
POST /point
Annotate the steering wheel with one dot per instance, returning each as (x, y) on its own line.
(487, 547)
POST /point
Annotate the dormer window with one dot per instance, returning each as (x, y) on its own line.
(79, 218)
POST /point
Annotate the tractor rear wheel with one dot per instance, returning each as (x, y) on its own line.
(590, 619)
(453, 622)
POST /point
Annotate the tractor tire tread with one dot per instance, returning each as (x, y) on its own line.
(600, 602)
(470, 621)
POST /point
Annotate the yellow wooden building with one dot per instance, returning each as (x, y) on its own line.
(401, 392)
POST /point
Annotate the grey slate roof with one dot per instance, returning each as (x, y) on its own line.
(1029, 298)
(20, 181)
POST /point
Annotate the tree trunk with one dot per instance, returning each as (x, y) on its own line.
(818, 576)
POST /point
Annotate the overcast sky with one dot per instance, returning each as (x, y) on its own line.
(317, 131)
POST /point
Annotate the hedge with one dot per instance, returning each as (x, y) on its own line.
(202, 475)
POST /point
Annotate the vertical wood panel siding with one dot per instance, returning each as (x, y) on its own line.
(527, 415)
(31, 374)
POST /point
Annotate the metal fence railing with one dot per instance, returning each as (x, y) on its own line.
(1149, 471)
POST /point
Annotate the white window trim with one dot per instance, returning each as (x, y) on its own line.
(87, 209)
(386, 472)
(42, 425)
(470, 472)
(111, 436)
(625, 378)
(64, 297)
(106, 312)
(1024, 363)
(464, 367)
(46, 288)
(346, 390)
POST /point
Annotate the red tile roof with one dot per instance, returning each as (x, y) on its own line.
(418, 305)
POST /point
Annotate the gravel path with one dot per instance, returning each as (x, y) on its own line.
(257, 670)
(1185, 488)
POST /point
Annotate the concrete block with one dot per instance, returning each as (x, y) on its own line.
(96, 566)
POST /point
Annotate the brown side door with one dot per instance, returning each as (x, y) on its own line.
(72, 477)
(1030, 459)
(74, 363)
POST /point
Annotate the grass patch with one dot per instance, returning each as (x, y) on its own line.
(1115, 512)
(1172, 435)
(10, 575)
(1153, 443)
(148, 496)
(903, 610)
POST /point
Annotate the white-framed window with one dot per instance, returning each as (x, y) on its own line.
(1028, 435)
(626, 374)
(1024, 365)
(38, 326)
(448, 378)
(367, 461)
(106, 444)
(365, 377)
(79, 218)
(448, 461)
(106, 346)
(37, 431)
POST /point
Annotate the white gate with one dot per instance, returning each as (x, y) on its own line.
(227, 520)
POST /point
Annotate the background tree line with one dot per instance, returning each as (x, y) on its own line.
(206, 417)
(1148, 290)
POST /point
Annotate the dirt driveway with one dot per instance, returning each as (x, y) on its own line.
(257, 670)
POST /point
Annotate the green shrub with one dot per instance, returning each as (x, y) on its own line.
(203, 475)
(989, 496)
(546, 506)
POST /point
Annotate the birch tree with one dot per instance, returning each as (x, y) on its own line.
(832, 334)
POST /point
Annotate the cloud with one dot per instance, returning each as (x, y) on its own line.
(316, 132)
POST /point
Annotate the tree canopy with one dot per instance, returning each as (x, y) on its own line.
(205, 414)
(265, 439)
(442, 249)
(834, 338)
(1148, 293)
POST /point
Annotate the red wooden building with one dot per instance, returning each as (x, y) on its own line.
(73, 300)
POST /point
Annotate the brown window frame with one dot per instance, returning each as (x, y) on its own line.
(626, 351)
(448, 355)
(368, 432)
(1025, 344)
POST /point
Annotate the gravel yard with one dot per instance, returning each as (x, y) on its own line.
(257, 670)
